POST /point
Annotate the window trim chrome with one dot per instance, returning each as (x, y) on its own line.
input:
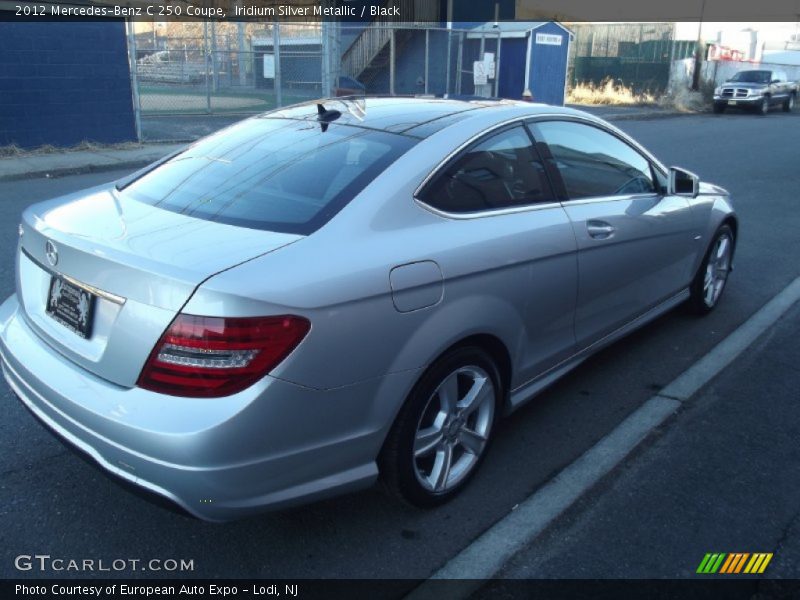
(497, 212)
(608, 128)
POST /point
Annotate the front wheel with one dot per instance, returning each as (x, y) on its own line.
(711, 277)
(763, 108)
(719, 108)
(443, 430)
(788, 104)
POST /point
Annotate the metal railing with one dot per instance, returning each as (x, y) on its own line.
(375, 36)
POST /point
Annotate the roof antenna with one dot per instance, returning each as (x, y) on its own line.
(325, 116)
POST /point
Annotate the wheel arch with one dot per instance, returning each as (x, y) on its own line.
(489, 343)
(498, 352)
(733, 222)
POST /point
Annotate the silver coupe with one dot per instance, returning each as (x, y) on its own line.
(342, 291)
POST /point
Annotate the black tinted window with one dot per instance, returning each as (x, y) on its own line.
(276, 174)
(593, 162)
(501, 171)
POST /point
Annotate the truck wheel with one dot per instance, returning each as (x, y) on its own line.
(763, 108)
(719, 108)
(788, 104)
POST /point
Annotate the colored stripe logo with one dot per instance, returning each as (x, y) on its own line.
(734, 562)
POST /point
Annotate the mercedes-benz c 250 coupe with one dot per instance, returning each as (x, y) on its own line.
(337, 292)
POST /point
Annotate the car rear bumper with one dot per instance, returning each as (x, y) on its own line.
(273, 445)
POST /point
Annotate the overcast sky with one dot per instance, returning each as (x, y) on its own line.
(775, 34)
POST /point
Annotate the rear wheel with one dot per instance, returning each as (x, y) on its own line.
(711, 277)
(442, 432)
(788, 104)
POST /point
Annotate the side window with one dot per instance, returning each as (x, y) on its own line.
(595, 163)
(501, 171)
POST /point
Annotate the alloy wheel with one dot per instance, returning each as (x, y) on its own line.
(717, 270)
(454, 428)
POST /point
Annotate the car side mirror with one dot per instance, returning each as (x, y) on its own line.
(775, 81)
(683, 183)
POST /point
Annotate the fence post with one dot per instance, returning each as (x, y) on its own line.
(240, 43)
(214, 58)
(449, 60)
(206, 60)
(325, 62)
(497, 67)
(391, 61)
(459, 61)
(427, 44)
(134, 65)
(276, 55)
(336, 53)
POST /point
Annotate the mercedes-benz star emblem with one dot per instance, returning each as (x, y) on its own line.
(51, 252)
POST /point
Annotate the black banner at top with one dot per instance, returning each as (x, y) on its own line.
(436, 12)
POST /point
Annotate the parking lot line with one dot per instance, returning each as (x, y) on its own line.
(487, 554)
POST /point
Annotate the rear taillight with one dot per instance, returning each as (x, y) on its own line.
(215, 356)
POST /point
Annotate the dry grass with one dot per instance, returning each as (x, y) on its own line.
(683, 99)
(14, 151)
(608, 93)
(10, 150)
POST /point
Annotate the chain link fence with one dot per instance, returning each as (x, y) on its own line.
(193, 80)
(409, 59)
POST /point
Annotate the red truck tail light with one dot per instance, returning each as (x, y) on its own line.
(209, 357)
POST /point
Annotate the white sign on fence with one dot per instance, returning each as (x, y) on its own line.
(269, 66)
(550, 39)
(488, 59)
(479, 73)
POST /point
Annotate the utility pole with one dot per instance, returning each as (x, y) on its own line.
(698, 51)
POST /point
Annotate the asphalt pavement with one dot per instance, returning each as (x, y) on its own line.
(723, 477)
(51, 502)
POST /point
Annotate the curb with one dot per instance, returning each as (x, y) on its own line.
(78, 170)
(650, 116)
(47, 166)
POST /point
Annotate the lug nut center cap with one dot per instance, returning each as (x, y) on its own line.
(453, 428)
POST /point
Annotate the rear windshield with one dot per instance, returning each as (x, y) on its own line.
(280, 175)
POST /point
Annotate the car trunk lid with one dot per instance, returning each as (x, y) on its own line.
(140, 262)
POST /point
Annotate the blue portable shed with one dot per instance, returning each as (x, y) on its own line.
(533, 57)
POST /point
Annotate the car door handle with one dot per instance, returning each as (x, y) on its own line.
(600, 230)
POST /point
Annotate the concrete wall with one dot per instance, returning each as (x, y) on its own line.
(65, 82)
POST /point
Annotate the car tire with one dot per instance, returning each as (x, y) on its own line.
(437, 444)
(788, 104)
(712, 276)
(763, 107)
(719, 108)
